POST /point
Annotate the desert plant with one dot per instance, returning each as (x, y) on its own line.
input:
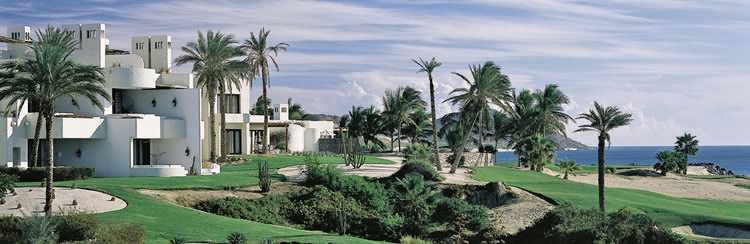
(357, 159)
(236, 238)
(38, 230)
(76, 227)
(264, 176)
(568, 167)
(413, 200)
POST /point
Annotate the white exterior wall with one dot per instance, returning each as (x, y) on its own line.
(92, 43)
(161, 53)
(18, 50)
(296, 138)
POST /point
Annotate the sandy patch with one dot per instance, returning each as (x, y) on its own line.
(697, 170)
(461, 177)
(671, 185)
(189, 197)
(520, 213)
(32, 201)
(713, 231)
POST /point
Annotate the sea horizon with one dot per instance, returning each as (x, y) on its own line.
(732, 157)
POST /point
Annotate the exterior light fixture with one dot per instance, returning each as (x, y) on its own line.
(174, 102)
(153, 102)
(187, 151)
(79, 153)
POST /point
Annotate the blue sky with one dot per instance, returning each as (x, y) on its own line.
(676, 65)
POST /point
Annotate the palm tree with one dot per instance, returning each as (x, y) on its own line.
(55, 76)
(399, 104)
(428, 67)
(417, 131)
(259, 55)
(551, 116)
(296, 112)
(603, 120)
(568, 167)
(215, 64)
(487, 86)
(24, 89)
(686, 145)
(414, 197)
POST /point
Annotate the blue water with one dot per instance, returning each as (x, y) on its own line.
(735, 158)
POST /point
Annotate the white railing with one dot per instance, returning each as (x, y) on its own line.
(159, 170)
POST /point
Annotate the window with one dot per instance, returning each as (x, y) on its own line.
(283, 110)
(28, 36)
(33, 107)
(233, 103)
(234, 139)
(141, 152)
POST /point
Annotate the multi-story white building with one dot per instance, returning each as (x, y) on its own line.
(155, 124)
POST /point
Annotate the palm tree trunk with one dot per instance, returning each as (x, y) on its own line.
(49, 191)
(460, 151)
(212, 128)
(35, 144)
(223, 124)
(481, 142)
(265, 110)
(600, 162)
(436, 154)
(392, 140)
(399, 136)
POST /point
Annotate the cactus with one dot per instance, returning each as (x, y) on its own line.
(358, 159)
(342, 223)
(264, 176)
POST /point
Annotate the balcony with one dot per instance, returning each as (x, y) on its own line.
(69, 126)
(149, 126)
(177, 80)
(130, 77)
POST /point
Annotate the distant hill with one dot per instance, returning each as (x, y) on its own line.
(323, 117)
(565, 142)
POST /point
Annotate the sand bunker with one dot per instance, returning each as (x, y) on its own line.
(713, 231)
(32, 201)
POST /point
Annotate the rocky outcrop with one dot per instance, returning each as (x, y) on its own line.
(714, 169)
(471, 159)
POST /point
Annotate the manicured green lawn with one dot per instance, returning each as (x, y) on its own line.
(593, 169)
(164, 221)
(668, 210)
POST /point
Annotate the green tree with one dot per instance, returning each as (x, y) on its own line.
(429, 67)
(214, 58)
(56, 76)
(568, 167)
(399, 104)
(260, 54)
(261, 105)
(603, 120)
(668, 161)
(296, 112)
(419, 130)
(486, 86)
(687, 145)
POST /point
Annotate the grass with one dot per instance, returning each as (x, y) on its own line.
(164, 221)
(593, 169)
(670, 211)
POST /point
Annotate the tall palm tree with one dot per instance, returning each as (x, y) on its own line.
(603, 120)
(215, 64)
(422, 126)
(487, 86)
(56, 76)
(428, 67)
(399, 104)
(296, 112)
(551, 115)
(24, 89)
(687, 145)
(260, 54)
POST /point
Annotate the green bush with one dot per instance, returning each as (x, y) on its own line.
(39, 173)
(76, 227)
(236, 238)
(324, 209)
(7, 185)
(568, 224)
(10, 229)
(38, 229)
(455, 211)
(417, 152)
(269, 210)
(418, 167)
(414, 199)
(373, 195)
(120, 233)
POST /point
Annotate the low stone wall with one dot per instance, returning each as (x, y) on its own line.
(472, 159)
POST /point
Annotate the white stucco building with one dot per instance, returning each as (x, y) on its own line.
(156, 123)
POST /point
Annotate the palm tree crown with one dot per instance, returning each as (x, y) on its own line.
(602, 120)
(399, 104)
(687, 145)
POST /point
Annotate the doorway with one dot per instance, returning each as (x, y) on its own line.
(142, 151)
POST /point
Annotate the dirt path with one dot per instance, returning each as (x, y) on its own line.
(461, 177)
(32, 202)
(671, 185)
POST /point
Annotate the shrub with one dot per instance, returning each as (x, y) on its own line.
(668, 161)
(324, 209)
(76, 227)
(10, 229)
(120, 233)
(38, 229)
(236, 238)
(417, 152)
(373, 195)
(611, 170)
(39, 173)
(414, 199)
(567, 224)
(269, 210)
(418, 167)
(460, 214)
(7, 185)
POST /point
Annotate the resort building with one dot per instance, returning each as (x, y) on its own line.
(155, 124)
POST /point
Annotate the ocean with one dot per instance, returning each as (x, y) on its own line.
(735, 158)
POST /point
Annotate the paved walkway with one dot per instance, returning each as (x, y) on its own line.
(32, 202)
